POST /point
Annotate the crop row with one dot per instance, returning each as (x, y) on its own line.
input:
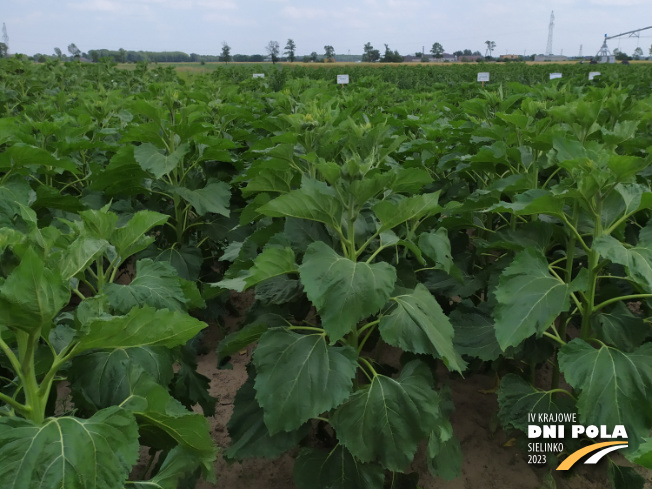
(504, 226)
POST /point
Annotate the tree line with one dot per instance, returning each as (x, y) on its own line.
(273, 54)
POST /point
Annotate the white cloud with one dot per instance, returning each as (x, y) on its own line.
(100, 6)
(215, 4)
(305, 13)
(620, 3)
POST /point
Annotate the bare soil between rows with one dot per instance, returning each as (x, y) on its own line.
(492, 458)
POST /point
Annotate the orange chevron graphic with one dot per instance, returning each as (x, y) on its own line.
(575, 456)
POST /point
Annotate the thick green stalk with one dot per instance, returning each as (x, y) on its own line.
(34, 402)
(594, 260)
(563, 318)
(101, 279)
(351, 231)
(178, 218)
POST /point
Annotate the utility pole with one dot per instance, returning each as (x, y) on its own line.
(550, 27)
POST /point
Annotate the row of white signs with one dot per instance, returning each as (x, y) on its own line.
(341, 79)
(482, 77)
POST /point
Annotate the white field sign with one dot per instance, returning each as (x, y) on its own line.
(555, 75)
(483, 77)
(593, 74)
(342, 79)
(259, 75)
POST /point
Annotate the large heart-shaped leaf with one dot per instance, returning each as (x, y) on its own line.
(141, 327)
(475, 335)
(300, 376)
(529, 299)
(67, 452)
(156, 284)
(32, 295)
(534, 201)
(165, 423)
(20, 154)
(131, 238)
(81, 253)
(437, 247)
(272, 262)
(249, 435)
(214, 197)
(637, 260)
(391, 214)
(100, 379)
(152, 160)
(385, 420)
(419, 325)
(14, 194)
(517, 399)
(620, 328)
(615, 386)
(314, 201)
(343, 291)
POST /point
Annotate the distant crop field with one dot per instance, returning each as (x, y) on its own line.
(365, 258)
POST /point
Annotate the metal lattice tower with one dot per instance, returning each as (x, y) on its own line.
(550, 27)
(580, 51)
(5, 36)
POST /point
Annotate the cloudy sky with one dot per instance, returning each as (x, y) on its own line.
(200, 26)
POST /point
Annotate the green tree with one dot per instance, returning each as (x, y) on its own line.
(370, 54)
(121, 56)
(58, 53)
(290, 50)
(225, 55)
(437, 50)
(329, 53)
(491, 45)
(638, 52)
(314, 56)
(74, 51)
(620, 55)
(391, 56)
(273, 49)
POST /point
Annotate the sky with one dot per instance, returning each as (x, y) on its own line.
(247, 26)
